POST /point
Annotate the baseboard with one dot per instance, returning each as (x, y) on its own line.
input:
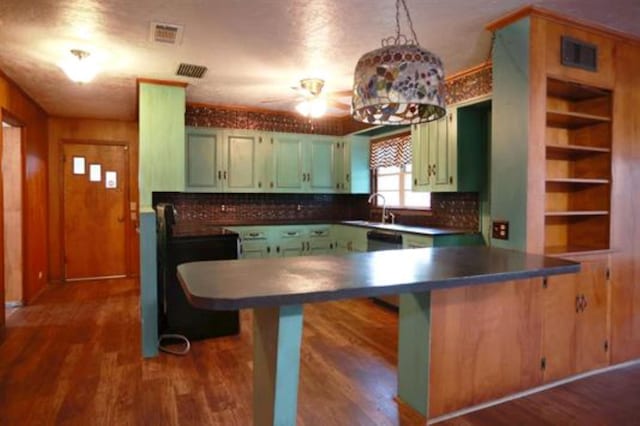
(531, 391)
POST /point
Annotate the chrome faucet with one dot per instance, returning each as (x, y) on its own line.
(384, 204)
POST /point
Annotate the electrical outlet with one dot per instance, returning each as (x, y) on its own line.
(500, 230)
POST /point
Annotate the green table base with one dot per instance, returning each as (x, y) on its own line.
(277, 333)
(414, 342)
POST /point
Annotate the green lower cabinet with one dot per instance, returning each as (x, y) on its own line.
(311, 240)
(416, 241)
(290, 242)
(255, 242)
(319, 241)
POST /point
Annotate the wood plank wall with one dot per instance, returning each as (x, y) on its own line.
(17, 105)
(63, 130)
(12, 210)
(625, 206)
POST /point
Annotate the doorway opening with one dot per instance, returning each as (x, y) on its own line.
(12, 214)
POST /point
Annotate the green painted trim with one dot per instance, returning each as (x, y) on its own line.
(414, 344)
(360, 178)
(510, 131)
(277, 335)
(148, 284)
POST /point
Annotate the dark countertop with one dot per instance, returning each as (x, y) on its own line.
(418, 230)
(251, 283)
(195, 229)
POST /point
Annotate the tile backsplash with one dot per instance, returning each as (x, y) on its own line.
(451, 210)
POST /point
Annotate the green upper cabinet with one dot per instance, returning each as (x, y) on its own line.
(319, 164)
(244, 169)
(228, 160)
(204, 159)
(352, 174)
(434, 156)
(287, 162)
(450, 154)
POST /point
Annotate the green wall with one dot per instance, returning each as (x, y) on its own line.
(162, 130)
(510, 118)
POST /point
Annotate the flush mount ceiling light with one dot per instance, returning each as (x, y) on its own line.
(80, 68)
(400, 83)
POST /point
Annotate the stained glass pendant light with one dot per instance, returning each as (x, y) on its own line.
(400, 83)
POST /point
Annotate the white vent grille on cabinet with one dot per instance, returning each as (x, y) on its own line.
(166, 33)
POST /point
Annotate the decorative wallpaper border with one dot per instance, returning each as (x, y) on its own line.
(469, 84)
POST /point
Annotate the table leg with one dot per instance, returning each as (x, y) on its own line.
(414, 341)
(277, 334)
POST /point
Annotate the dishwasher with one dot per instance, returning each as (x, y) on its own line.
(378, 240)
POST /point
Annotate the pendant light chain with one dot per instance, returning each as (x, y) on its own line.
(401, 39)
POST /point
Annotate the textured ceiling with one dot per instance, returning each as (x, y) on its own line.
(255, 49)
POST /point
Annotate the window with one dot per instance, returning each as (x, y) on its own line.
(394, 183)
(390, 159)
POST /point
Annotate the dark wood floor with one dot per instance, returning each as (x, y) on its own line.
(73, 358)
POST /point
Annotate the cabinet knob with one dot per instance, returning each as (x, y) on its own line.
(337, 186)
(415, 181)
(347, 177)
(268, 249)
(271, 184)
(224, 175)
(259, 184)
(219, 175)
(451, 180)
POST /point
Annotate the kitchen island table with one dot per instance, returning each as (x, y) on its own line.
(277, 289)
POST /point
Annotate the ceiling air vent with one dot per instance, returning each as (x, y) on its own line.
(166, 33)
(579, 54)
(190, 70)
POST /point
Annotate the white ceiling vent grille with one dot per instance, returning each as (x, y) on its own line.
(190, 70)
(166, 33)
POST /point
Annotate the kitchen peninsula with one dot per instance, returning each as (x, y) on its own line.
(277, 289)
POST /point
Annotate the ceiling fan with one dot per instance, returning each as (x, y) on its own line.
(312, 102)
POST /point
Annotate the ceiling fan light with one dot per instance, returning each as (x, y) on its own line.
(313, 108)
(79, 67)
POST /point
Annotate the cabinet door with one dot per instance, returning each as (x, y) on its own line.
(416, 241)
(591, 325)
(291, 246)
(442, 150)
(341, 166)
(356, 158)
(241, 161)
(559, 322)
(320, 165)
(420, 167)
(287, 163)
(203, 158)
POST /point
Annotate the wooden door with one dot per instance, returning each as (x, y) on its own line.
(94, 210)
(2, 326)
